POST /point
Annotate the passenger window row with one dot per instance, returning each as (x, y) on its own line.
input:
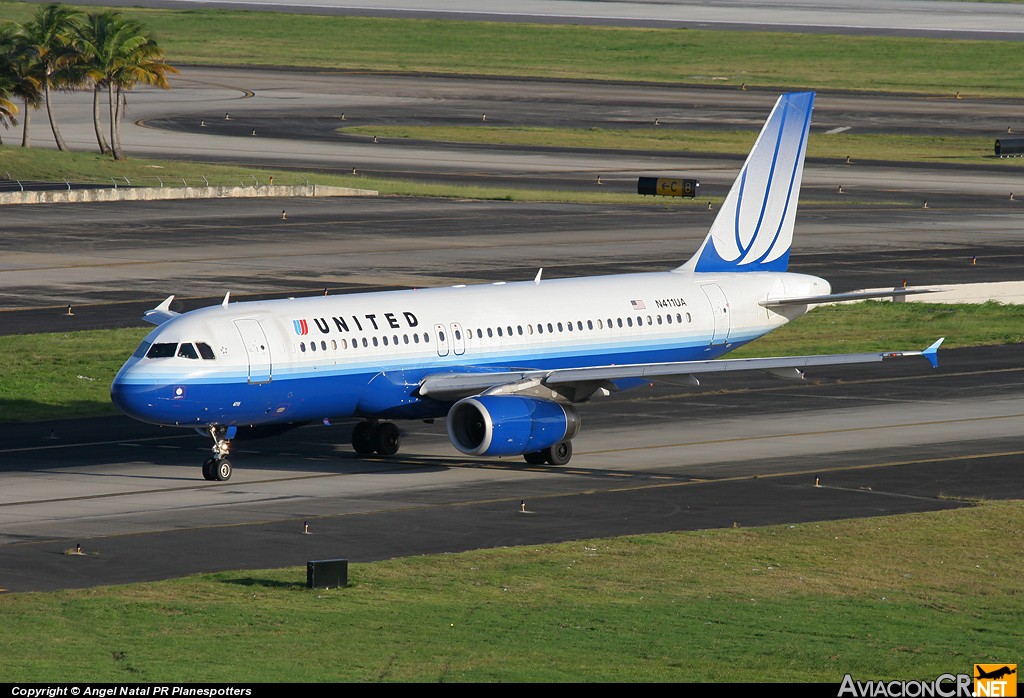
(579, 326)
(335, 344)
(506, 331)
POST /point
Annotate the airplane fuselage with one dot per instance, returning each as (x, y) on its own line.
(505, 363)
(306, 359)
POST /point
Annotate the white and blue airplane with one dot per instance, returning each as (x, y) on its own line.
(505, 364)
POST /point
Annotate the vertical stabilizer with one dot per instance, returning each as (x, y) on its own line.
(754, 228)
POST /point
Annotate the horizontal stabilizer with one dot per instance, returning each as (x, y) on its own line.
(851, 296)
(162, 313)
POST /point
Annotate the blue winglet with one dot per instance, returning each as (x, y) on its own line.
(932, 353)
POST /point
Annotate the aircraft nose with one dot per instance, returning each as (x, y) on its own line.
(132, 392)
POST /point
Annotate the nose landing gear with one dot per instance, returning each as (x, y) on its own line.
(219, 467)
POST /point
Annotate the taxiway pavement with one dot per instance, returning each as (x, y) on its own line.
(876, 441)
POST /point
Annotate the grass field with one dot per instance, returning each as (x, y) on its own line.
(938, 67)
(51, 165)
(725, 59)
(906, 597)
(838, 146)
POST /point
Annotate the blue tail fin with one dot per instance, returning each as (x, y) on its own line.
(754, 229)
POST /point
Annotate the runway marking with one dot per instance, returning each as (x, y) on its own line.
(798, 434)
(510, 500)
(80, 444)
(838, 130)
(672, 480)
(868, 490)
(398, 467)
(836, 469)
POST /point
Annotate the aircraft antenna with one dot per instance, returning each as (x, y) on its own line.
(536, 279)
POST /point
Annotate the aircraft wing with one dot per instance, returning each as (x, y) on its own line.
(453, 385)
(160, 314)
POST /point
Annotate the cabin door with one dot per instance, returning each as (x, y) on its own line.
(458, 339)
(442, 339)
(258, 349)
(720, 313)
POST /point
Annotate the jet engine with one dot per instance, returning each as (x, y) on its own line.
(509, 425)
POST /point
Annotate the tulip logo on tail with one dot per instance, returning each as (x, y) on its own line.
(754, 229)
(995, 680)
(300, 327)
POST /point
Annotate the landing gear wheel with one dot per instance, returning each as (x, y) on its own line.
(559, 454)
(362, 438)
(218, 467)
(386, 439)
(536, 457)
(222, 469)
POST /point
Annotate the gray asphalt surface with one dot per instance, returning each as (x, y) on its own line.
(112, 262)
(188, 122)
(887, 440)
(883, 440)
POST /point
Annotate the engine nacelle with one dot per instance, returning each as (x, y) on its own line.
(509, 425)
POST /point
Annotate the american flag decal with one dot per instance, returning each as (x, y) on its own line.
(639, 305)
(300, 326)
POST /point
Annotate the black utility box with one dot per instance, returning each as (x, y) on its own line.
(324, 574)
(1005, 147)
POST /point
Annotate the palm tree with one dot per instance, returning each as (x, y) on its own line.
(48, 39)
(19, 69)
(102, 39)
(141, 62)
(8, 109)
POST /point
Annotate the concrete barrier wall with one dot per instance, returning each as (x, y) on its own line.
(161, 193)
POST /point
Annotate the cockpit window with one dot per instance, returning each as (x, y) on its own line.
(187, 351)
(162, 350)
(141, 351)
(205, 351)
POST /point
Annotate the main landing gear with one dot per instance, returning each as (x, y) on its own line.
(219, 467)
(376, 437)
(559, 454)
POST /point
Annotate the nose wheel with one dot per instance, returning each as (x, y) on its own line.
(218, 468)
